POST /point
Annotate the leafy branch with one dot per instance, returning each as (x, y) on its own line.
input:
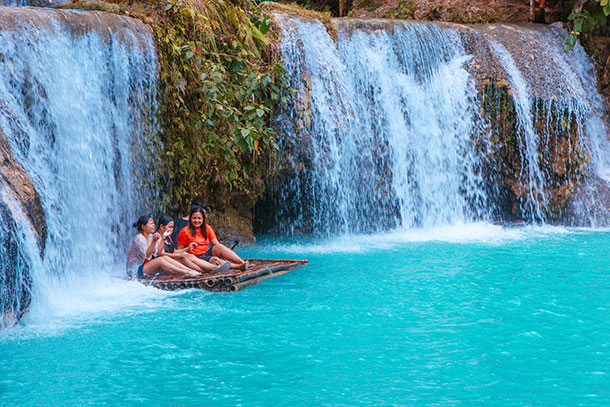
(586, 22)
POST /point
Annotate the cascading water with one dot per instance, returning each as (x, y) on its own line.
(77, 100)
(388, 127)
(558, 112)
(528, 138)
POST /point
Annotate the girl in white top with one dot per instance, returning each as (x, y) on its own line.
(139, 257)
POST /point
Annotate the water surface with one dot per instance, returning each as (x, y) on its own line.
(462, 315)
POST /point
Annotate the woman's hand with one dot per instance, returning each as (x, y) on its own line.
(156, 236)
(192, 246)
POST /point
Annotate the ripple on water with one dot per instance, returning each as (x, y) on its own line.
(425, 322)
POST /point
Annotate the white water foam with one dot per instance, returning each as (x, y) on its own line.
(461, 233)
(77, 100)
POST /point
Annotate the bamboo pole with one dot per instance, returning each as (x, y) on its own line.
(243, 284)
(278, 260)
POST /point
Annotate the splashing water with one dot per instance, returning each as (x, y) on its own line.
(77, 96)
(387, 142)
(383, 126)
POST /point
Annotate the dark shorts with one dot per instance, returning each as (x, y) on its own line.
(207, 256)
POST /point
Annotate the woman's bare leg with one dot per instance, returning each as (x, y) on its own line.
(186, 260)
(197, 263)
(223, 251)
(216, 260)
(169, 266)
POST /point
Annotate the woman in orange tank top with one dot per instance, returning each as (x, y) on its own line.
(206, 245)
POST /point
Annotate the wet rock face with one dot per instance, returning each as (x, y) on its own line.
(558, 103)
(22, 190)
(15, 278)
(231, 227)
(599, 49)
(562, 160)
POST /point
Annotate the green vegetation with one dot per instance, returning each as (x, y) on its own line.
(368, 5)
(220, 81)
(593, 21)
(325, 6)
(295, 8)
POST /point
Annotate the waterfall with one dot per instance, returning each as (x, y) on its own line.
(389, 126)
(558, 88)
(526, 133)
(388, 136)
(77, 102)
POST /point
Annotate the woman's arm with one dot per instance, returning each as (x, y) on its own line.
(182, 249)
(151, 248)
(161, 248)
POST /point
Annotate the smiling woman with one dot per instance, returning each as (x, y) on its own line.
(166, 247)
(140, 261)
(202, 241)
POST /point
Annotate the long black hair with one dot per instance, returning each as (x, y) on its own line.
(204, 232)
(164, 220)
(142, 220)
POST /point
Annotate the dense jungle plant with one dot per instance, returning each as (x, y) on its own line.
(593, 21)
(220, 82)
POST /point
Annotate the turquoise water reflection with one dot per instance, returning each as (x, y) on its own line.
(517, 318)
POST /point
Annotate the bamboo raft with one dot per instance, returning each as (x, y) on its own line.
(228, 281)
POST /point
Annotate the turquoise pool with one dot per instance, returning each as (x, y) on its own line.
(465, 315)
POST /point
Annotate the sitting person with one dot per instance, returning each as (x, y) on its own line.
(167, 247)
(180, 223)
(203, 236)
(139, 257)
